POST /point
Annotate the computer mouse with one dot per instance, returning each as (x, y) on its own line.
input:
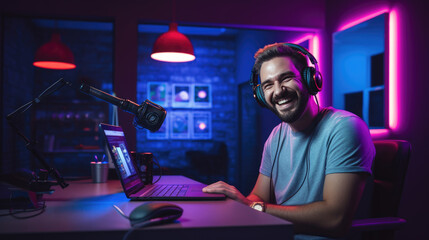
(155, 212)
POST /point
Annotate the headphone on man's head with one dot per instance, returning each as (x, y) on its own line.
(311, 76)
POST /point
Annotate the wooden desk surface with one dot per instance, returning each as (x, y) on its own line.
(85, 210)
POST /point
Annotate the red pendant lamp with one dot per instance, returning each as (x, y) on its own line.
(173, 46)
(54, 55)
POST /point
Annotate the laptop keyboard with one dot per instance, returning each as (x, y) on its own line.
(168, 191)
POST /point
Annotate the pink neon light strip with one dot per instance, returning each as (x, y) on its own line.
(363, 19)
(393, 72)
(314, 48)
(303, 39)
(379, 132)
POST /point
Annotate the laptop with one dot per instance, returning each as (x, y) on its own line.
(134, 187)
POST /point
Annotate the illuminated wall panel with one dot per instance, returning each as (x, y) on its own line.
(393, 110)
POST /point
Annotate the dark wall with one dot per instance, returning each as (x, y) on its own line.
(413, 116)
(278, 13)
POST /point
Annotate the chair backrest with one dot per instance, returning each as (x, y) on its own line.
(389, 171)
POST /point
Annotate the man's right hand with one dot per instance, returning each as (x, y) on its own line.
(229, 190)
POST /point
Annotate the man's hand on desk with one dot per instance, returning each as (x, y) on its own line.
(229, 190)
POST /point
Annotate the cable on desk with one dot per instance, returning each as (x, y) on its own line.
(138, 225)
(145, 224)
(15, 213)
(120, 212)
(40, 209)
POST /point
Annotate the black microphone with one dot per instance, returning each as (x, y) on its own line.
(148, 115)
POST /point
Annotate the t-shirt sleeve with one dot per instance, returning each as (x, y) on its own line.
(350, 147)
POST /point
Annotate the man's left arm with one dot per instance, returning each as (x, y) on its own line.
(334, 214)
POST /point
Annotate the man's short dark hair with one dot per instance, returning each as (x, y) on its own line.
(279, 50)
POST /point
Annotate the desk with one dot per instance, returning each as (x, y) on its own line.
(84, 210)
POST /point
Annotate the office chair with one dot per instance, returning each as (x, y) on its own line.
(389, 171)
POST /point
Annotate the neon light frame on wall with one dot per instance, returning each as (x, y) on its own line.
(392, 84)
(314, 49)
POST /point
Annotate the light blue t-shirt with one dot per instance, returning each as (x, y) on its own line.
(338, 142)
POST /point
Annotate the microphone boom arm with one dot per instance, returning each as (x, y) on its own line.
(124, 104)
(147, 115)
(30, 145)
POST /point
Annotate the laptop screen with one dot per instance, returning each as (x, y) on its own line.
(115, 139)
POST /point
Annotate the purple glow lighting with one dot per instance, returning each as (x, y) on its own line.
(314, 49)
(393, 70)
(303, 39)
(362, 19)
(202, 94)
(379, 132)
(393, 82)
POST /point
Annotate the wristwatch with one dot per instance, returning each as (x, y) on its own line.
(258, 206)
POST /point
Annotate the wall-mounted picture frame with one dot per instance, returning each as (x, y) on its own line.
(202, 97)
(201, 125)
(181, 96)
(180, 125)
(157, 93)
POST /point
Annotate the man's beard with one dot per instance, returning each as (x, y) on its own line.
(294, 114)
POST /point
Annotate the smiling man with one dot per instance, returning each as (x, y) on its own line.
(315, 163)
(284, 90)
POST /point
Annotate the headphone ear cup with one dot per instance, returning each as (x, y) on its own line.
(259, 96)
(312, 79)
(318, 81)
(258, 93)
